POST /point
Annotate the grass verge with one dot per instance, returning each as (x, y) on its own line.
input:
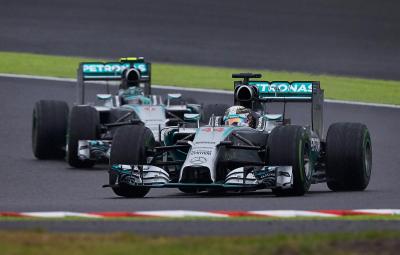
(336, 87)
(40, 242)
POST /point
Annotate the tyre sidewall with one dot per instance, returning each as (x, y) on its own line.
(287, 146)
(83, 125)
(349, 153)
(49, 125)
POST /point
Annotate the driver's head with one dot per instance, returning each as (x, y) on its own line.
(130, 78)
(238, 116)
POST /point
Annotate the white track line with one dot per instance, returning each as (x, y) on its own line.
(49, 78)
(35, 77)
(208, 214)
(380, 211)
(59, 214)
(182, 214)
(292, 213)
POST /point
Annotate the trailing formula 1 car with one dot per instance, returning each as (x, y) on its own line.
(84, 134)
(247, 149)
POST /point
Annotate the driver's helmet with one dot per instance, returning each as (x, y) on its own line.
(130, 78)
(237, 116)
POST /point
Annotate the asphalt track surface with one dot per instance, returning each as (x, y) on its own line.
(28, 184)
(358, 37)
(350, 37)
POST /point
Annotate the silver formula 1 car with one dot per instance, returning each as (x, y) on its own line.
(85, 133)
(246, 149)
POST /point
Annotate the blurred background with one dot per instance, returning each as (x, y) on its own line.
(356, 38)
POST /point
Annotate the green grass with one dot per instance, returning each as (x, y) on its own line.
(43, 243)
(336, 87)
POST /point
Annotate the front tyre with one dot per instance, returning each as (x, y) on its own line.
(290, 146)
(83, 125)
(130, 147)
(49, 129)
(348, 157)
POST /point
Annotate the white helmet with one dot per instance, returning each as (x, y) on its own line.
(237, 116)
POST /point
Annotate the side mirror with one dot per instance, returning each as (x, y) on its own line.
(106, 99)
(173, 96)
(192, 117)
(274, 117)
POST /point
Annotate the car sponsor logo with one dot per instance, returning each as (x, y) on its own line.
(141, 67)
(198, 160)
(200, 152)
(149, 109)
(283, 87)
(266, 175)
(105, 68)
(315, 144)
(205, 142)
(116, 68)
(209, 129)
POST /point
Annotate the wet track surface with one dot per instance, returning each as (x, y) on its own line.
(28, 184)
(356, 37)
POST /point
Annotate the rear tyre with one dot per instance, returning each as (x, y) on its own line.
(290, 146)
(83, 125)
(130, 147)
(209, 110)
(348, 157)
(49, 129)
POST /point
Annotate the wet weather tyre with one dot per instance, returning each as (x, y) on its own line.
(83, 125)
(348, 157)
(130, 147)
(290, 146)
(209, 110)
(49, 129)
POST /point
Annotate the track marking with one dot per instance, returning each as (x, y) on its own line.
(206, 214)
(293, 213)
(59, 214)
(182, 214)
(166, 87)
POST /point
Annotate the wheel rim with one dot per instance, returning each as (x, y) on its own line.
(307, 166)
(306, 162)
(368, 159)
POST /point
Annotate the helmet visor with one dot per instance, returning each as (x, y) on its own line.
(236, 121)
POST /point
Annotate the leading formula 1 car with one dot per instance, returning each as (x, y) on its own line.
(86, 132)
(246, 149)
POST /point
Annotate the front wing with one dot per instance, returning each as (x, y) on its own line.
(267, 177)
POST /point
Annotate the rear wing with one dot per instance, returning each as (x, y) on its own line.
(106, 71)
(285, 91)
(111, 71)
(252, 94)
